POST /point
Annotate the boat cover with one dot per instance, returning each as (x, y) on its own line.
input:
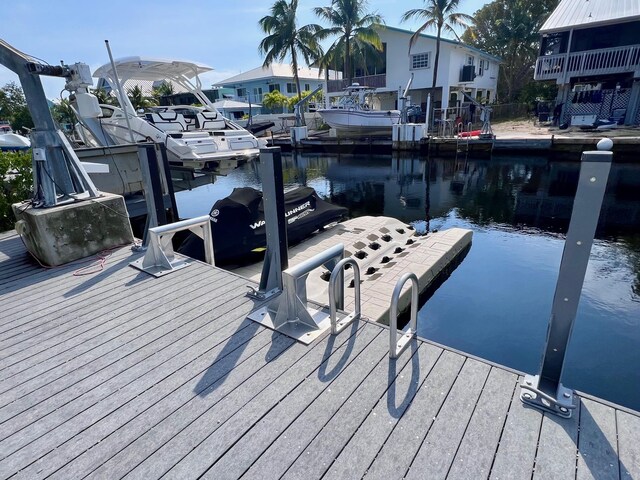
(238, 226)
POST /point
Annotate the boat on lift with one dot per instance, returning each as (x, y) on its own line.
(355, 112)
(195, 137)
(11, 141)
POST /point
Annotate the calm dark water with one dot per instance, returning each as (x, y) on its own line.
(497, 303)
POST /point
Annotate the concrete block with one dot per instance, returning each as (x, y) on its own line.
(65, 233)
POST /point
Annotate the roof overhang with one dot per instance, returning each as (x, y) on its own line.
(579, 14)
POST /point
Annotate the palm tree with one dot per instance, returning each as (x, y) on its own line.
(138, 100)
(285, 38)
(162, 90)
(441, 15)
(353, 27)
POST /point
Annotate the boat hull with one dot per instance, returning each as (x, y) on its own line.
(360, 121)
(14, 142)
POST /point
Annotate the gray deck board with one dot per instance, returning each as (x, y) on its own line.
(396, 455)
(234, 461)
(628, 445)
(517, 449)
(54, 333)
(120, 375)
(50, 431)
(479, 443)
(557, 447)
(51, 396)
(120, 328)
(361, 426)
(438, 450)
(338, 410)
(598, 442)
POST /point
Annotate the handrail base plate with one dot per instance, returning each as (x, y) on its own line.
(530, 394)
(160, 271)
(299, 331)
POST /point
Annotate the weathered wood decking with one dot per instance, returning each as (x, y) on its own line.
(118, 374)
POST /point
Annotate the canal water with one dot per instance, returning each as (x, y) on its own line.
(497, 303)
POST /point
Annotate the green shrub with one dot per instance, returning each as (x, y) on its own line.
(16, 181)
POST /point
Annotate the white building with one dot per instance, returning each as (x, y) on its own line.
(253, 84)
(461, 68)
(592, 50)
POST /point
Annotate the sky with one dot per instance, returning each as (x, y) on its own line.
(222, 34)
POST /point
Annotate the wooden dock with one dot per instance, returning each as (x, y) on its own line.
(118, 374)
(556, 147)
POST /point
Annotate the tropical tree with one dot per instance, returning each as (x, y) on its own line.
(63, 113)
(354, 29)
(275, 99)
(13, 107)
(284, 38)
(103, 97)
(163, 90)
(441, 15)
(509, 29)
(138, 100)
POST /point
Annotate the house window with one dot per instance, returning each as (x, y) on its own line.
(241, 92)
(484, 65)
(470, 60)
(291, 88)
(420, 60)
(257, 91)
(307, 87)
(273, 87)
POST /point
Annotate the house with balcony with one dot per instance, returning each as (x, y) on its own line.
(592, 50)
(251, 85)
(462, 68)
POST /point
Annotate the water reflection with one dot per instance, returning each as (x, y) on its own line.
(497, 303)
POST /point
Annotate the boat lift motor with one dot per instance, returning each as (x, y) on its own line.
(58, 175)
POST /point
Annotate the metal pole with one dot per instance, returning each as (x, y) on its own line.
(119, 87)
(275, 259)
(545, 390)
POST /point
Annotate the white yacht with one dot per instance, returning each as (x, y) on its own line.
(195, 137)
(12, 141)
(355, 113)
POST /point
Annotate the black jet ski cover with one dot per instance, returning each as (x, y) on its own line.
(238, 226)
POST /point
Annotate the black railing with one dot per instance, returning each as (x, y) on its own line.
(373, 81)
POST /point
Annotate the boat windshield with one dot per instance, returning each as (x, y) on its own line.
(356, 98)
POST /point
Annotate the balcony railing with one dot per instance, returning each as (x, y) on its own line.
(595, 62)
(373, 81)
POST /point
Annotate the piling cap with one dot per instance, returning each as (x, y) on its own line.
(605, 144)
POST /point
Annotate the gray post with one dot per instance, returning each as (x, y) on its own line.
(276, 259)
(57, 174)
(545, 390)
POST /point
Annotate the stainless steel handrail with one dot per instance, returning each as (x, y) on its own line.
(336, 275)
(160, 258)
(397, 346)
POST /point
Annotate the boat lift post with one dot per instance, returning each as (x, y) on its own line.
(300, 132)
(544, 390)
(57, 174)
(276, 257)
(403, 101)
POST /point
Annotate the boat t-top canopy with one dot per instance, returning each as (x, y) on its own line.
(181, 72)
(151, 69)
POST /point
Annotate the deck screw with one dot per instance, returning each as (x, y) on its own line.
(566, 395)
(526, 396)
(529, 382)
(578, 242)
(592, 179)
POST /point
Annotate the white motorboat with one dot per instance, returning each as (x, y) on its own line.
(355, 113)
(195, 137)
(10, 141)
